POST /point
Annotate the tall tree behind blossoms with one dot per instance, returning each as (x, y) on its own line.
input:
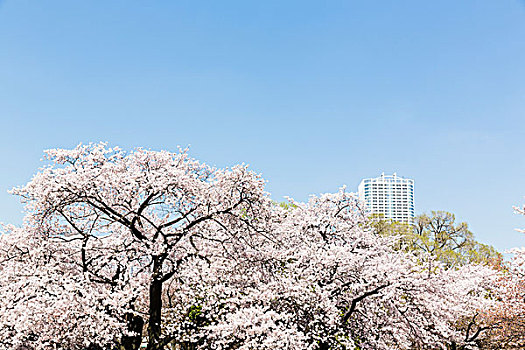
(440, 236)
(448, 241)
(159, 242)
(130, 223)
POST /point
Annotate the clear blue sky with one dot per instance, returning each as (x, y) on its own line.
(312, 94)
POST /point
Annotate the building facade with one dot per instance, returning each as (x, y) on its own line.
(390, 196)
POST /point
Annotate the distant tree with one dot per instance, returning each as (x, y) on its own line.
(450, 242)
(439, 236)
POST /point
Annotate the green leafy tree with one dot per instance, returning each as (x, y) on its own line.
(449, 242)
(440, 236)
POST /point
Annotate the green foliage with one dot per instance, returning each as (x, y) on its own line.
(194, 312)
(440, 236)
(286, 205)
(388, 227)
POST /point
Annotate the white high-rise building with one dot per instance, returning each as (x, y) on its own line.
(390, 195)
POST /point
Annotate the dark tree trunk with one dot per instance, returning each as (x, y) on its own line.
(135, 324)
(155, 307)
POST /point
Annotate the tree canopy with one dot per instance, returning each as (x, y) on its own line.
(120, 248)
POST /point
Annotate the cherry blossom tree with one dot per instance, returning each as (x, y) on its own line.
(133, 220)
(509, 316)
(505, 321)
(355, 290)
